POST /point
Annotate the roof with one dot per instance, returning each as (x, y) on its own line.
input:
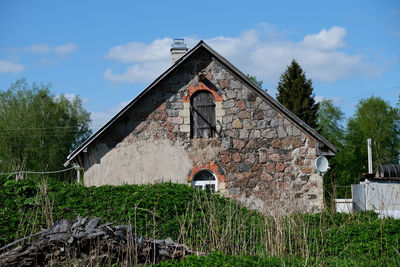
(287, 113)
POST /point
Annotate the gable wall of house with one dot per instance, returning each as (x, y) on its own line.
(259, 157)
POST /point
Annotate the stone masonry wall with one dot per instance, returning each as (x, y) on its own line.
(260, 157)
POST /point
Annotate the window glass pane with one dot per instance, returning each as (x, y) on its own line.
(204, 176)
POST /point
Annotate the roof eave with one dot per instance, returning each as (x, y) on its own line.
(80, 148)
(274, 102)
(244, 78)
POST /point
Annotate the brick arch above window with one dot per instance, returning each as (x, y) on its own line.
(211, 166)
(201, 86)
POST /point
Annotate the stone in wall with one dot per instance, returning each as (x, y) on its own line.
(266, 159)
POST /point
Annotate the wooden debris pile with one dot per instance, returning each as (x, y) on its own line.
(90, 243)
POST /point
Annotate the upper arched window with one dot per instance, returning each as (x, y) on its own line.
(202, 115)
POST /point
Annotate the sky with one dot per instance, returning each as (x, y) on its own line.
(107, 52)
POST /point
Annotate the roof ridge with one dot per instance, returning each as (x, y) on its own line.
(235, 70)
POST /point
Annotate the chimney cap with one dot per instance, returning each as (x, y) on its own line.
(178, 49)
(179, 43)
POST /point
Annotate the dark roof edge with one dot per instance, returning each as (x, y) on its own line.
(272, 101)
(80, 148)
(252, 85)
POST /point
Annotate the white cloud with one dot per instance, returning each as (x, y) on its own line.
(141, 72)
(319, 99)
(263, 52)
(230, 46)
(44, 48)
(331, 39)
(70, 97)
(102, 117)
(65, 49)
(7, 66)
(141, 52)
(149, 60)
(46, 61)
(38, 48)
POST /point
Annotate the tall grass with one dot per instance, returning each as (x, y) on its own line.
(204, 221)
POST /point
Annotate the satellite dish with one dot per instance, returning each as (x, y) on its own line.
(322, 164)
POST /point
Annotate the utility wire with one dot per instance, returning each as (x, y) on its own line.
(343, 100)
(30, 172)
(350, 99)
(371, 93)
(37, 135)
(39, 128)
(43, 128)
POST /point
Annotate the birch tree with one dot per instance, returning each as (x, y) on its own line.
(37, 128)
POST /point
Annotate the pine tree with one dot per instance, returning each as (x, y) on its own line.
(295, 92)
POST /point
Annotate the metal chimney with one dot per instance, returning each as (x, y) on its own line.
(178, 49)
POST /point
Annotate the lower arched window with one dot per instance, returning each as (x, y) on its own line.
(205, 179)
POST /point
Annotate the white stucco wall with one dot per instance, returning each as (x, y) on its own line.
(141, 162)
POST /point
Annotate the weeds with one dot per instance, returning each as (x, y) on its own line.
(203, 221)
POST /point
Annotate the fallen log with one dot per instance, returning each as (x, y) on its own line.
(90, 243)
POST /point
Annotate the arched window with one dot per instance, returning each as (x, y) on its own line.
(202, 115)
(205, 179)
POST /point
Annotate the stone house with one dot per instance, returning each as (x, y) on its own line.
(204, 123)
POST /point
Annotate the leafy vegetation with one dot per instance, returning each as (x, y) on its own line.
(36, 126)
(375, 119)
(219, 259)
(158, 210)
(259, 83)
(330, 121)
(205, 222)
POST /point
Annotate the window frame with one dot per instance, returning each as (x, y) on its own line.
(203, 183)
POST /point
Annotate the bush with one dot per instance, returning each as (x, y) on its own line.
(220, 259)
(157, 211)
(205, 222)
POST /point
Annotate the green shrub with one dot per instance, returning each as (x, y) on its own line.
(158, 211)
(220, 259)
(205, 222)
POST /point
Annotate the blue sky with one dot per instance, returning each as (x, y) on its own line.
(108, 51)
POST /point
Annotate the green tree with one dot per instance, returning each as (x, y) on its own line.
(398, 104)
(39, 129)
(295, 92)
(330, 122)
(259, 83)
(375, 119)
(330, 125)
